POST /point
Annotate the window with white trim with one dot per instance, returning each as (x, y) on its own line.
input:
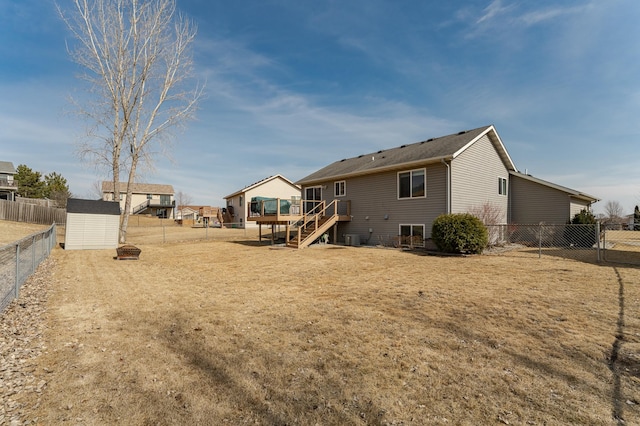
(412, 235)
(340, 188)
(502, 186)
(412, 184)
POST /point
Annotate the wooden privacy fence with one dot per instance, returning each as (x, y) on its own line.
(31, 213)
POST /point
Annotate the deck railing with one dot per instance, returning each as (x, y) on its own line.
(6, 183)
(153, 202)
(274, 207)
(316, 213)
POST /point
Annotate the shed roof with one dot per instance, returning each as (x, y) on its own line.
(77, 205)
(139, 188)
(7, 167)
(431, 150)
(569, 191)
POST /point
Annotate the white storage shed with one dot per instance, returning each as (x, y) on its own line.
(91, 224)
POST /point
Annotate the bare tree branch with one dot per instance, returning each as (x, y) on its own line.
(613, 210)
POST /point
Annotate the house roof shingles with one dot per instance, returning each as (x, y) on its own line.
(7, 167)
(431, 150)
(139, 188)
(571, 192)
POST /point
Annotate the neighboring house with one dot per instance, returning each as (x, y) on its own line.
(400, 191)
(91, 224)
(239, 203)
(187, 213)
(206, 215)
(8, 187)
(146, 198)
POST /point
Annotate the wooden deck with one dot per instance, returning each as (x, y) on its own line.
(309, 225)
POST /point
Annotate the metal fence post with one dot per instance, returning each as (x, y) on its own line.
(540, 241)
(597, 231)
(33, 254)
(17, 283)
(604, 245)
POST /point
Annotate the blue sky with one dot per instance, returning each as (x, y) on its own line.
(292, 86)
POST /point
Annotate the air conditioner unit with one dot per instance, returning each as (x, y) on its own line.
(352, 240)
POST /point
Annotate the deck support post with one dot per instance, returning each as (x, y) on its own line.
(287, 233)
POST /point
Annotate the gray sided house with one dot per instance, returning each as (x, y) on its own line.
(400, 191)
(8, 187)
(91, 224)
(535, 201)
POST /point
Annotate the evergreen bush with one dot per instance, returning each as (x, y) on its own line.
(459, 233)
(583, 235)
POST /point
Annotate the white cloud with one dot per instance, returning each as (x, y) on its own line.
(494, 9)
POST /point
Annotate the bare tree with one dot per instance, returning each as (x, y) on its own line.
(136, 55)
(183, 199)
(95, 190)
(490, 214)
(613, 210)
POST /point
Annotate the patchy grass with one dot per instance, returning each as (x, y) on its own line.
(233, 332)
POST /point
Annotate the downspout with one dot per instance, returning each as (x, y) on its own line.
(509, 199)
(448, 185)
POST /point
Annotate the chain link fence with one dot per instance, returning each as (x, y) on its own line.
(20, 259)
(588, 243)
(168, 231)
(579, 242)
(621, 246)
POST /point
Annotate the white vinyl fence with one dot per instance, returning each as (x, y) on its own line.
(20, 259)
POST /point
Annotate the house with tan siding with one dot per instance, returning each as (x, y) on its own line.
(238, 203)
(146, 198)
(400, 191)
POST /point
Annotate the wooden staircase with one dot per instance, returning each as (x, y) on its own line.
(313, 225)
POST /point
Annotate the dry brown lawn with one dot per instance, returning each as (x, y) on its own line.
(229, 331)
(14, 231)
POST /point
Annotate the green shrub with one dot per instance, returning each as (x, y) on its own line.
(584, 217)
(584, 233)
(459, 233)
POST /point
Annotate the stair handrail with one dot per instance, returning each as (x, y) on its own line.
(141, 206)
(314, 215)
